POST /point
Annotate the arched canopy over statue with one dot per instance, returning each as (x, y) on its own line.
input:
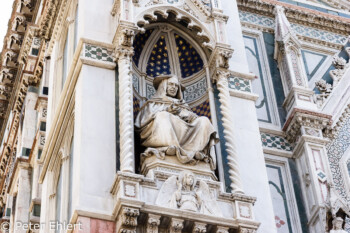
(167, 125)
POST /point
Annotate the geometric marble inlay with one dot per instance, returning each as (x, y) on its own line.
(239, 84)
(321, 175)
(276, 142)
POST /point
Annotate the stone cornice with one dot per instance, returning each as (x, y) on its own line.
(301, 117)
(339, 4)
(299, 15)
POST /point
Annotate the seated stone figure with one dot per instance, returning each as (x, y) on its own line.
(167, 126)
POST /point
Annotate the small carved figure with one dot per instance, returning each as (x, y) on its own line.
(325, 91)
(337, 226)
(179, 192)
(168, 126)
(340, 67)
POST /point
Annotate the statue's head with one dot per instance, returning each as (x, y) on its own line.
(338, 223)
(172, 86)
(168, 85)
(187, 179)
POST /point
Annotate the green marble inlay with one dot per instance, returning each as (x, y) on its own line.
(98, 53)
(239, 84)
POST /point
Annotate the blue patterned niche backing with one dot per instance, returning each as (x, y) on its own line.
(158, 62)
(139, 42)
(190, 61)
(336, 150)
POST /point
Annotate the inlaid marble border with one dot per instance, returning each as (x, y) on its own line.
(275, 142)
(239, 84)
(98, 53)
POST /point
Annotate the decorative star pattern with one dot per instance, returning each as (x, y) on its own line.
(139, 42)
(158, 62)
(190, 61)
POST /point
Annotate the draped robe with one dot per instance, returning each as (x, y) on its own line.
(189, 140)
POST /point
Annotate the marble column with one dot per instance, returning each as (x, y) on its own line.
(23, 198)
(127, 163)
(224, 98)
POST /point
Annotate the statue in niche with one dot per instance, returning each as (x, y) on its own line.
(180, 192)
(337, 226)
(167, 126)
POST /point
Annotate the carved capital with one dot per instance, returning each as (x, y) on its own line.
(128, 220)
(220, 16)
(124, 53)
(153, 223)
(247, 230)
(176, 225)
(125, 34)
(129, 216)
(199, 227)
(223, 56)
(221, 229)
(221, 76)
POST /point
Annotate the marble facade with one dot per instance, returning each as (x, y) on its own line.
(266, 82)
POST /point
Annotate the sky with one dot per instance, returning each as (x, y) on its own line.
(5, 14)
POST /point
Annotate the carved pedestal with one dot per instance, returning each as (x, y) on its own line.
(171, 165)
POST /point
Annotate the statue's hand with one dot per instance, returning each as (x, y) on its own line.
(188, 116)
(173, 109)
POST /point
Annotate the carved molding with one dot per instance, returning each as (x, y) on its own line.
(220, 229)
(299, 118)
(246, 230)
(47, 19)
(301, 16)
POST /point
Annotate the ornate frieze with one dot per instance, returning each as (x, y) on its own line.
(299, 118)
(304, 32)
(46, 23)
(305, 17)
